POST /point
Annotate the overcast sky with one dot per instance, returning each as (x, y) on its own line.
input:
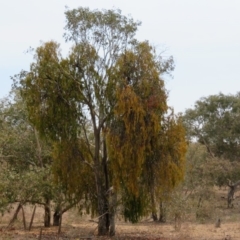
(203, 36)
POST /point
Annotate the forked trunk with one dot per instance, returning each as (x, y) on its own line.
(56, 218)
(232, 190)
(154, 216)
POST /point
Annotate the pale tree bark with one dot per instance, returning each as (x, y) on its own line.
(153, 205)
(39, 148)
(47, 209)
(232, 190)
(162, 215)
(106, 177)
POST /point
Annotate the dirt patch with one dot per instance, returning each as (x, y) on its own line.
(140, 231)
(79, 227)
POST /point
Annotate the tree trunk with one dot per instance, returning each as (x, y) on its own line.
(24, 219)
(106, 177)
(102, 203)
(162, 215)
(47, 215)
(103, 222)
(230, 196)
(154, 216)
(112, 211)
(60, 224)
(232, 189)
(154, 213)
(56, 217)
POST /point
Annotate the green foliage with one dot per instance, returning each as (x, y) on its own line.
(71, 171)
(172, 150)
(134, 207)
(215, 123)
(141, 107)
(25, 174)
(17, 136)
(102, 28)
(104, 107)
(29, 186)
(50, 95)
(194, 197)
(199, 167)
(154, 160)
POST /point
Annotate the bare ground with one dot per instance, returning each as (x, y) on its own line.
(148, 231)
(76, 227)
(79, 227)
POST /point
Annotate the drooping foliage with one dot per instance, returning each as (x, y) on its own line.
(171, 151)
(154, 158)
(104, 106)
(72, 167)
(135, 207)
(140, 105)
(50, 94)
(26, 174)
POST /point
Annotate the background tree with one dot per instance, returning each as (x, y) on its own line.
(214, 122)
(195, 198)
(108, 87)
(26, 164)
(23, 156)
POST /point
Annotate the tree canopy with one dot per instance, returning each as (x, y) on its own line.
(104, 107)
(215, 123)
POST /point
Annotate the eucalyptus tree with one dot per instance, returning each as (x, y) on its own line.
(215, 123)
(146, 144)
(104, 107)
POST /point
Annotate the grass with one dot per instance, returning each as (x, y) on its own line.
(77, 227)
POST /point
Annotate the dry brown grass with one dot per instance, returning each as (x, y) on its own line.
(79, 227)
(84, 229)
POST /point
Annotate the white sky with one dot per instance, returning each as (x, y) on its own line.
(202, 35)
